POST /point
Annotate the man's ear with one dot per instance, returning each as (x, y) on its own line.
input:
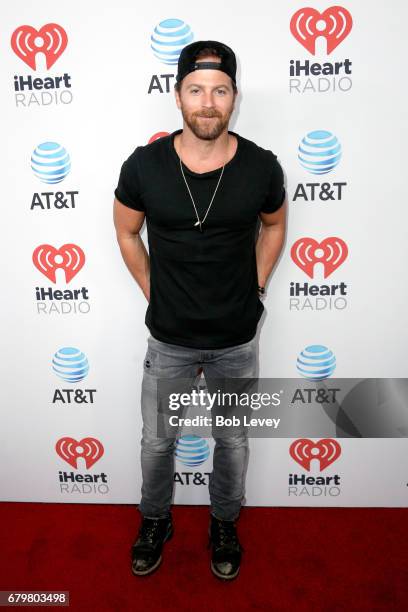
(233, 102)
(177, 96)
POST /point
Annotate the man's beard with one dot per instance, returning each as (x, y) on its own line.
(207, 130)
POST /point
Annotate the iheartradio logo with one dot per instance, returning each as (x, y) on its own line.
(47, 259)
(50, 40)
(307, 252)
(157, 136)
(334, 24)
(326, 451)
(69, 449)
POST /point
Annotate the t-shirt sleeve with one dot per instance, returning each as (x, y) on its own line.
(129, 189)
(276, 192)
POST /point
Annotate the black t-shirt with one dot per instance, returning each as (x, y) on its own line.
(203, 286)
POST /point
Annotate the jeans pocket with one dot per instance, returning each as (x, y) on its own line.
(149, 361)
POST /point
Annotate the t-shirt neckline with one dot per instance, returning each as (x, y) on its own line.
(211, 173)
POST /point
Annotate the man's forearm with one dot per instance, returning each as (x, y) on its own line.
(137, 260)
(268, 248)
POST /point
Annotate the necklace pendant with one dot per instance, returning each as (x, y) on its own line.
(199, 222)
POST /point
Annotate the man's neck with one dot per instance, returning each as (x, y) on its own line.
(204, 155)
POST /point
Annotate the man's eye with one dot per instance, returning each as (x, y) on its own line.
(194, 91)
(221, 92)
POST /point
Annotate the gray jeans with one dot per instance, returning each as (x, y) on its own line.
(226, 482)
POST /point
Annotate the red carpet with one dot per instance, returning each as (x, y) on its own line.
(295, 559)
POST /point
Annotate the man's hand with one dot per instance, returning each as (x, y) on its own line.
(270, 242)
(128, 223)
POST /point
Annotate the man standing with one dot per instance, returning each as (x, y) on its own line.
(201, 190)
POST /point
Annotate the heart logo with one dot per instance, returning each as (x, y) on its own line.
(157, 136)
(47, 259)
(334, 24)
(331, 252)
(70, 450)
(304, 450)
(51, 40)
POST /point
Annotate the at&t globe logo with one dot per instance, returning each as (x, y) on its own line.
(192, 450)
(316, 362)
(319, 152)
(168, 39)
(50, 162)
(70, 364)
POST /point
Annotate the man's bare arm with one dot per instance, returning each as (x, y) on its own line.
(270, 242)
(128, 223)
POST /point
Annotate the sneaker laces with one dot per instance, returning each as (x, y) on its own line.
(227, 535)
(149, 530)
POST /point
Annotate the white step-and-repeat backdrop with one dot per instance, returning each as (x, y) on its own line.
(324, 87)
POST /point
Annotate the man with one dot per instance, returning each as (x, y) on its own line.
(202, 190)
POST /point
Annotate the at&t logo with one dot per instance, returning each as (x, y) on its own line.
(310, 256)
(89, 451)
(51, 164)
(321, 454)
(319, 153)
(316, 362)
(192, 451)
(309, 28)
(169, 37)
(69, 259)
(72, 366)
(39, 50)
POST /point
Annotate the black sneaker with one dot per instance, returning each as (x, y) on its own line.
(226, 549)
(146, 551)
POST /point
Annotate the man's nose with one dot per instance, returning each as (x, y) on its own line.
(208, 99)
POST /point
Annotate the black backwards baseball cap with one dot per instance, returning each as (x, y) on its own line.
(187, 61)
